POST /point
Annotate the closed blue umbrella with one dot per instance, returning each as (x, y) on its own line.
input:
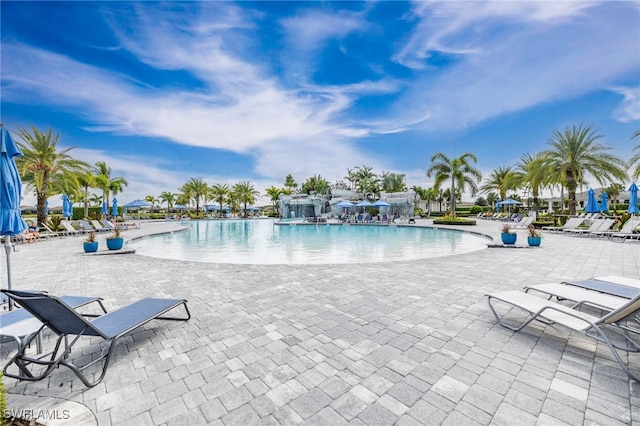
(604, 206)
(70, 211)
(104, 211)
(114, 207)
(633, 199)
(592, 205)
(65, 205)
(11, 222)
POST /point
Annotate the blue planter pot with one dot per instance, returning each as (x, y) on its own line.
(90, 247)
(534, 241)
(115, 243)
(509, 238)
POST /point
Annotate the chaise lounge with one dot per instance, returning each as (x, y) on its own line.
(616, 328)
(64, 321)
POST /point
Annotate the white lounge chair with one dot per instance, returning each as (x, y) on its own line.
(616, 329)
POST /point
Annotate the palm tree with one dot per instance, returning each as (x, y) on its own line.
(151, 200)
(576, 151)
(245, 193)
(315, 183)
(613, 191)
(95, 199)
(106, 182)
(197, 189)
(86, 180)
(502, 180)
(169, 198)
(366, 180)
(393, 182)
(461, 173)
(43, 168)
(220, 193)
(533, 173)
(274, 194)
(636, 157)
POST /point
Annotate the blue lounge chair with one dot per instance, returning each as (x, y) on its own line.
(64, 321)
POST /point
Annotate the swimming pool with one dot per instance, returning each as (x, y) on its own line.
(263, 242)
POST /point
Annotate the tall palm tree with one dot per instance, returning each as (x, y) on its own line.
(575, 151)
(43, 168)
(169, 198)
(220, 194)
(459, 171)
(197, 189)
(109, 184)
(245, 194)
(501, 179)
(274, 194)
(532, 172)
(86, 180)
(366, 180)
(636, 157)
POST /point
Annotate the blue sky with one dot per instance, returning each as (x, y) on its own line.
(229, 91)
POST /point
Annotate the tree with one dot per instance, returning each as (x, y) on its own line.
(459, 171)
(532, 172)
(151, 200)
(481, 201)
(290, 184)
(86, 180)
(613, 191)
(393, 182)
(219, 193)
(315, 183)
(492, 197)
(575, 151)
(274, 195)
(43, 168)
(245, 193)
(366, 180)
(635, 174)
(169, 198)
(196, 189)
(109, 184)
(502, 180)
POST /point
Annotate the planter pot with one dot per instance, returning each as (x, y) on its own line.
(509, 238)
(534, 241)
(90, 247)
(115, 243)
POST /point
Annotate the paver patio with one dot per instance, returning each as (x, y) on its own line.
(404, 343)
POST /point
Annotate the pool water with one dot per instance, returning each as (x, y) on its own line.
(263, 242)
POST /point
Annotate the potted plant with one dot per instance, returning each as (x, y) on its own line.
(534, 238)
(115, 241)
(507, 236)
(90, 245)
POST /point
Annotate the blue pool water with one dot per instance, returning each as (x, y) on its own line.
(262, 242)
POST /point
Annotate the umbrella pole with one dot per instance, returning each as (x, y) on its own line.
(7, 249)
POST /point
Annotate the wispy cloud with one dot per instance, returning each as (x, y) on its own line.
(500, 69)
(629, 109)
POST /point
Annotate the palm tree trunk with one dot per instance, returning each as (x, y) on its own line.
(453, 197)
(40, 211)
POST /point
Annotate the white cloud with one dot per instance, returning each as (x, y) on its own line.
(629, 109)
(498, 70)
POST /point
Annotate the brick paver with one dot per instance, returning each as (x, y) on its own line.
(384, 343)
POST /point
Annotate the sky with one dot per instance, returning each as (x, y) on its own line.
(234, 91)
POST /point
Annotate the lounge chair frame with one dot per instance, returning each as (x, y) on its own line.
(64, 321)
(617, 323)
(19, 324)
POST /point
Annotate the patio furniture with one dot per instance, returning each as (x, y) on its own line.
(616, 329)
(64, 321)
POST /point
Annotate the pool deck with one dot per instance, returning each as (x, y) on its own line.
(406, 343)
